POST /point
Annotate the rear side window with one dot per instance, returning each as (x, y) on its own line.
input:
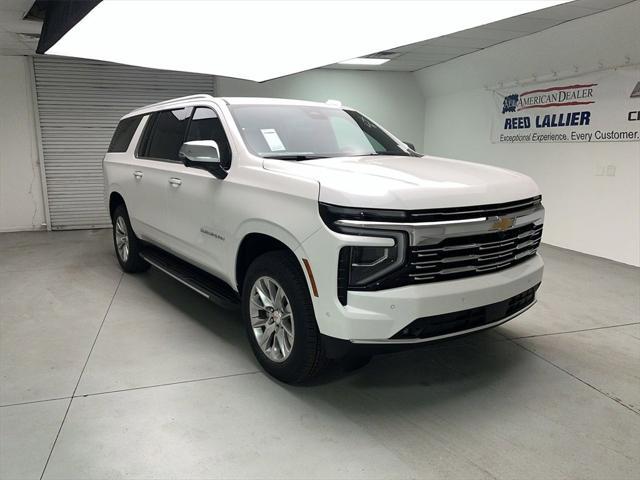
(123, 134)
(168, 129)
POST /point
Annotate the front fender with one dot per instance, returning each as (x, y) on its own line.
(271, 229)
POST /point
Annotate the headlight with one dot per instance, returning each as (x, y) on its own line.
(368, 263)
(365, 267)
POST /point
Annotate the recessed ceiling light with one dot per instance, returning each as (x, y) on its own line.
(260, 40)
(364, 61)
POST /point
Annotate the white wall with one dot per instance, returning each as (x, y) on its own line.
(598, 215)
(394, 99)
(21, 201)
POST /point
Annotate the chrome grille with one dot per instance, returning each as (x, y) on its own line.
(458, 257)
(443, 244)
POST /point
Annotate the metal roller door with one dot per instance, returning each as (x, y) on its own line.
(79, 104)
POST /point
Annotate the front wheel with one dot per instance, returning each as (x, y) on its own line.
(279, 318)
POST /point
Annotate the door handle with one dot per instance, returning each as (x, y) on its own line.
(137, 174)
(175, 182)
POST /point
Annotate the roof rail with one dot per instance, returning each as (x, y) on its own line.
(200, 96)
(158, 106)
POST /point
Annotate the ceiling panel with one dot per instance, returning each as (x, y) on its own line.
(485, 33)
(402, 68)
(412, 67)
(455, 41)
(389, 66)
(414, 56)
(428, 48)
(564, 12)
(411, 63)
(438, 50)
(524, 23)
(600, 4)
(420, 58)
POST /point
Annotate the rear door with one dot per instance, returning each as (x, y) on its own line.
(155, 169)
(119, 160)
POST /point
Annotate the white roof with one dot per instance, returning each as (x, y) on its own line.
(272, 101)
(177, 102)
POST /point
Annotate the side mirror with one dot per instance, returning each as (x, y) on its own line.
(410, 145)
(203, 154)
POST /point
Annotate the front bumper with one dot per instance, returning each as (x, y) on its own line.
(374, 317)
(428, 330)
(440, 327)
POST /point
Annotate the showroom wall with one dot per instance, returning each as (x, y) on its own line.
(21, 204)
(393, 99)
(590, 213)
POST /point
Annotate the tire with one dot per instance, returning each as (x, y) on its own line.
(296, 361)
(129, 257)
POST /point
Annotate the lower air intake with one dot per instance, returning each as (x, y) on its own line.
(455, 322)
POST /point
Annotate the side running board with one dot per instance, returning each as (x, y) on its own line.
(202, 282)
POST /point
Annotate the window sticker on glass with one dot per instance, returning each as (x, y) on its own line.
(273, 139)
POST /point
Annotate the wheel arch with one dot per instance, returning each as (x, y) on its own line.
(115, 200)
(251, 247)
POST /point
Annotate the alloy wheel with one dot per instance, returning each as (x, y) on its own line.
(271, 319)
(122, 239)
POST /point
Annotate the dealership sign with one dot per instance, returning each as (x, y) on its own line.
(599, 107)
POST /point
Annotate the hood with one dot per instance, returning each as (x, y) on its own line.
(408, 183)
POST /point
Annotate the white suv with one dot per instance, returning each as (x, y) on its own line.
(336, 238)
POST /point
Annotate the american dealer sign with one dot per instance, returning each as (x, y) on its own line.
(598, 107)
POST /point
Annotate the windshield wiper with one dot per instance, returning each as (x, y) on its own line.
(381, 154)
(410, 153)
(294, 157)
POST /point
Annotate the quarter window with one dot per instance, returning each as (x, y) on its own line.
(206, 125)
(123, 134)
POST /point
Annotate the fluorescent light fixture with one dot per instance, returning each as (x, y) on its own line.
(261, 40)
(364, 61)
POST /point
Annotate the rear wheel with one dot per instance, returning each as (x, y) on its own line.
(279, 319)
(126, 244)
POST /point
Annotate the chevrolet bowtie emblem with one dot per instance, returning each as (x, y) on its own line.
(503, 223)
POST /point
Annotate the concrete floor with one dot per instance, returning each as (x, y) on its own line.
(105, 375)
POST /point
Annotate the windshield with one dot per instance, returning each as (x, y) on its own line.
(301, 132)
